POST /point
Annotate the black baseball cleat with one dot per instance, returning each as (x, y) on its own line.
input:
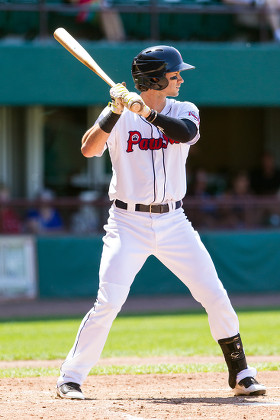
(70, 390)
(249, 386)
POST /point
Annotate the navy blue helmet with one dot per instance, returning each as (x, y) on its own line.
(150, 66)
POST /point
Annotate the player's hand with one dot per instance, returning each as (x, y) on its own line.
(116, 93)
(129, 98)
(116, 106)
(118, 90)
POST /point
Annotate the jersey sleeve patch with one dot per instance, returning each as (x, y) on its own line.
(193, 116)
(191, 112)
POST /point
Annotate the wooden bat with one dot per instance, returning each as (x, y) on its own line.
(73, 46)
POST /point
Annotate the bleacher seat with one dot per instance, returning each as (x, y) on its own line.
(178, 26)
(19, 23)
(137, 25)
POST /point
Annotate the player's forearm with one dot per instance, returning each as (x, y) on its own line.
(93, 141)
(176, 129)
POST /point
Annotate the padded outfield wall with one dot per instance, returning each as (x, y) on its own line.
(229, 74)
(246, 263)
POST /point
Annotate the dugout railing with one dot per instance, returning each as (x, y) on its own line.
(42, 9)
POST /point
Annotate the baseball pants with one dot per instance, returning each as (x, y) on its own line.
(131, 237)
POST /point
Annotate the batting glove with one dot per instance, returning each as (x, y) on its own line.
(130, 99)
(116, 106)
(116, 93)
(118, 90)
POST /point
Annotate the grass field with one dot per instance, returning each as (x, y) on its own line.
(179, 334)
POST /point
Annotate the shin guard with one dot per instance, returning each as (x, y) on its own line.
(234, 355)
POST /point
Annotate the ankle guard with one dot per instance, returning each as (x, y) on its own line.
(234, 355)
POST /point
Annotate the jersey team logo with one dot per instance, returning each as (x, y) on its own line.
(135, 139)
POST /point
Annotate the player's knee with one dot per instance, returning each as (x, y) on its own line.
(106, 312)
(216, 299)
(109, 302)
(112, 294)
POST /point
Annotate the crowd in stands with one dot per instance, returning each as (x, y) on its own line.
(212, 202)
(114, 28)
(9, 219)
(101, 19)
(44, 218)
(234, 205)
(271, 12)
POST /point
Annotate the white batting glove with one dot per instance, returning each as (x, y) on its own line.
(131, 100)
(118, 90)
(116, 106)
(116, 93)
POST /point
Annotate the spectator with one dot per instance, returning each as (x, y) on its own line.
(235, 212)
(45, 219)
(110, 19)
(265, 180)
(85, 221)
(83, 15)
(9, 219)
(205, 215)
(271, 9)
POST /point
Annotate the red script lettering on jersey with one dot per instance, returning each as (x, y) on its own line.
(194, 115)
(135, 138)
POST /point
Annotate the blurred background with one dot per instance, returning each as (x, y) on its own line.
(53, 201)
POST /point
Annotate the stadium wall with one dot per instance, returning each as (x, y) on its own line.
(246, 263)
(227, 74)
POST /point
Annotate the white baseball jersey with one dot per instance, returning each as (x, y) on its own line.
(147, 166)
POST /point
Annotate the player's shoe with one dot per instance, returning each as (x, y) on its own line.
(249, 386)
(70, 390)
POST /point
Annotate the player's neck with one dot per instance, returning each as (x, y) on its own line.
(154, 99)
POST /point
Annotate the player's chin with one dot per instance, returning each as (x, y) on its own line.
(174, 93)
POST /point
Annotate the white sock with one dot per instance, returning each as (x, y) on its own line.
(250, 371)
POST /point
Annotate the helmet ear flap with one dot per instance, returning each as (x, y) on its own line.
(143, 83)
(160, 84)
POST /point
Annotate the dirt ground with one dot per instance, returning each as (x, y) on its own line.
(139, 397)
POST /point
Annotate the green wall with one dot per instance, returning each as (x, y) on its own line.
(226, 74)
(245, 262)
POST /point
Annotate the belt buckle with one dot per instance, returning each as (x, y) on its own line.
(150, 208)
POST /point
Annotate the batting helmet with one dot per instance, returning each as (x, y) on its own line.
(150, 66)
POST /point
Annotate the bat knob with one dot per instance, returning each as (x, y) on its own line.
(136, 106)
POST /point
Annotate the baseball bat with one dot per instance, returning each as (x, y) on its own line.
(76, 49)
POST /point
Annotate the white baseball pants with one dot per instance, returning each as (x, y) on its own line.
(131, 237)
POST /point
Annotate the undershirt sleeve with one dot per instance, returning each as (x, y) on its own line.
(182, 130)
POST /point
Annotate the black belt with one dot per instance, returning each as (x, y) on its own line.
(152, 208)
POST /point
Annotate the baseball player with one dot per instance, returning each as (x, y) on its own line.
(148, 150)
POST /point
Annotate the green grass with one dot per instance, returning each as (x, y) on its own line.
(133, 369)
(180, 334)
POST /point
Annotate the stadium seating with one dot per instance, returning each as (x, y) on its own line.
(172, 25)
(26, 23)
(177, 25)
